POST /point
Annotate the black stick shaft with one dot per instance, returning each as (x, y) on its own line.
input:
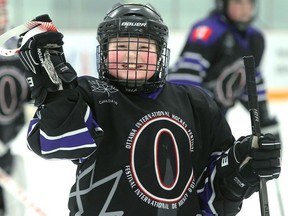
(255, 123)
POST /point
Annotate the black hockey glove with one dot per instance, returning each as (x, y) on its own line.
(242, 166)
(47, 69)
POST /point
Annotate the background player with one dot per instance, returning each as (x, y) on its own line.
(14, 94)
(212, 57)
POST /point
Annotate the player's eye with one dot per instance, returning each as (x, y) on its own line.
(143, 47)
(121, 46)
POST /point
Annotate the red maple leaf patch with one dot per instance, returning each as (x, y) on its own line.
(201, 33)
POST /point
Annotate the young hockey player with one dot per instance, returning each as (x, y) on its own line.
(14, 94)
(212, 57)
(142, 146)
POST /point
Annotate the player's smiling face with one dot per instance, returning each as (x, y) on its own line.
(132, 58)
(240, 10)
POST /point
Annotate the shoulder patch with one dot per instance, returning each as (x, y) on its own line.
(201, 33)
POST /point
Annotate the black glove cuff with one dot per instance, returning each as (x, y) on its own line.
(233, 185)
(236, 187)
(66, 72)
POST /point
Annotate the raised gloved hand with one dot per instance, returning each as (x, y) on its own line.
(47, 69)
(242, 165)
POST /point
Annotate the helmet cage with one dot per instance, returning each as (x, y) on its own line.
(145, 85)
(141, 23)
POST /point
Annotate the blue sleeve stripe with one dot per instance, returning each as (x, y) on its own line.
(68, 134)
(67, 142)
(185, 82)
(196, 57)
(76, 139)
(207, 192)
(184, 78)
(32, 124)
(89, 120)
(191, 60)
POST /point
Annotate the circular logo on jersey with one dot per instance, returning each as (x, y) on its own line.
(13, 91)
(230, 83)
(160, 169)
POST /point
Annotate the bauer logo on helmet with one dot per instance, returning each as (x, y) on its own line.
(137, 24)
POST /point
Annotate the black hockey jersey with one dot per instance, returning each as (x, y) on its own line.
(212, 58)
(156, 157)
(14, 93)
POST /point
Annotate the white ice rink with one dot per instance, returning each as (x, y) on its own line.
(48, 182)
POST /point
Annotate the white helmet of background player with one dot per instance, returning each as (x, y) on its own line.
(222, 7)
(135, 21)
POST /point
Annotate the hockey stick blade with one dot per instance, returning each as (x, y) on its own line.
(32, 28)
(249, 64)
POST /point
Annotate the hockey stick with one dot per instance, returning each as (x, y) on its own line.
(32, 28)
(12, 187)
(255, 124)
